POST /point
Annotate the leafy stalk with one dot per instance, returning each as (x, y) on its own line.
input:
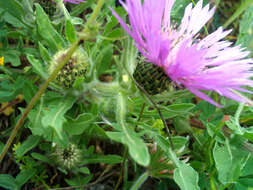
(50, 78)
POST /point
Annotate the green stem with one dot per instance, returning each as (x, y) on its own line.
(50, 78)
(122, 168)
(238, 113)
(36, 98)
(140, 181)
(244, 5)
(156, 107)
(93, 15)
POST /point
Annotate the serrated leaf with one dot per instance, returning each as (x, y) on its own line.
(8, 182)
(54, 117)
(27, 145)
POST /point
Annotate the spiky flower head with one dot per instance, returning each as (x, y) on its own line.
(151, 77)
(68, 157)
(77, 67)
(198, 64)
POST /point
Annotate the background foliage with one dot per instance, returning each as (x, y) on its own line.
(104, 133)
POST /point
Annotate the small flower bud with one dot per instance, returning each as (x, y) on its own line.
(76, 67)
(68, 157)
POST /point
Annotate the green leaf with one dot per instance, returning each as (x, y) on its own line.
(8, 90)
(47, 31)
(27, 145)
(207, 109)
(44, 53)
(29, 91)
(169, 111)
(54, 117)
(37, 66)
(137, 148)
(107, 159)
(70, 32)
(178, 9)
(77, 181)
(229, 169)
(79, 125)
(40, 157)
(35, 117)
(246, 30)
(186, 177)
(104, 58)
(13, 7)
(24, 176)
(12, 56)
(8, 182)
(84, 170)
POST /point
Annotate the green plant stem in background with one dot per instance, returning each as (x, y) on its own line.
(156, 107)
(50, 78)
(244, 5)
(140, 181)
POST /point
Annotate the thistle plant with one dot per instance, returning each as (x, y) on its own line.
(210, 63)
(126, 94)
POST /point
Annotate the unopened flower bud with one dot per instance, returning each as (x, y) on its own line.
(76, 67)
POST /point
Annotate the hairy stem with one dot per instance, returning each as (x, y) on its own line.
(50, 78)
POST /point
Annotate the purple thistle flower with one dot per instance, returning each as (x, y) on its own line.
(74, 1)
(197, 64)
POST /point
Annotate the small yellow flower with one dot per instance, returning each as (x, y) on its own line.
(1, 61)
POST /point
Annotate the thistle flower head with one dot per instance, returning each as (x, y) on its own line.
(68, 157)
(76, 67)
(209, 64)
